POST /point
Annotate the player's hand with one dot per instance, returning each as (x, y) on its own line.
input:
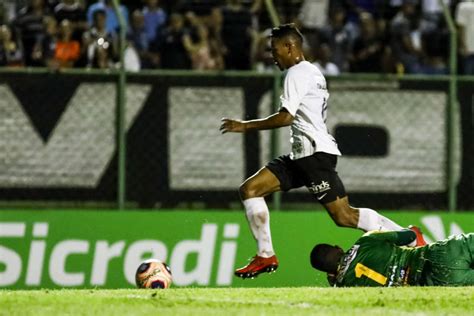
(233, 126)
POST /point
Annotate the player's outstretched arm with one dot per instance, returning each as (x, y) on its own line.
(399, 238)
(279, 119)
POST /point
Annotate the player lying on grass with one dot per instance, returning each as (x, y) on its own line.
(380, 259)
(313, 158)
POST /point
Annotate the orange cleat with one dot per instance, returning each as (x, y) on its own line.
(256, 266)
(420, 241)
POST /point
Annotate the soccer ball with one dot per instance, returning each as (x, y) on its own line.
(153, 274)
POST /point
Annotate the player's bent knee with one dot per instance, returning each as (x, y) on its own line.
(248, 191)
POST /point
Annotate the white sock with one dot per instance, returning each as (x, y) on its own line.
(258, 217)
(371, 220)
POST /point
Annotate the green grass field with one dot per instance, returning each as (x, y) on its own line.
(241, 301)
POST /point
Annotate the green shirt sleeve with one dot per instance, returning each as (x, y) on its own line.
(399, 238)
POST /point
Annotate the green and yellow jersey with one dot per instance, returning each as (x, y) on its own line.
(377, 259)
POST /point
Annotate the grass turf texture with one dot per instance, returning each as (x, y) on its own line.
(241, 301)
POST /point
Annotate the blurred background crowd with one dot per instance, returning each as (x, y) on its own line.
(365, 36)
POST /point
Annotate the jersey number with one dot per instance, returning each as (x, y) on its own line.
(361, 270)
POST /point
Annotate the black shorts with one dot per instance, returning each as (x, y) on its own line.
(317, 172)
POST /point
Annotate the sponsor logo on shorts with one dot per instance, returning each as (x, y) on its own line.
(318, 188)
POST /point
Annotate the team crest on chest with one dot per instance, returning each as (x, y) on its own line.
(298, 147)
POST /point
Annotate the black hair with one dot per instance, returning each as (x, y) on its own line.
(325, 257)
(287, 30)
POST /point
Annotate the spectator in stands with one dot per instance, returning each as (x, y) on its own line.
(67, 50)
(173, 54)
(405, 42)
(72, 11)
(465, 22)
(232, 31)
(435, 48)
(368, 47)
(238, 35)
(30, 28)
(215, 22)
(10, 51)
(203, 52)
(432, 14)
(202, 9)
(323, 61)
(312, 17)
(339, 36)
(99, 45)
(154, 19)
(112, 21)
(263, 55)
(214, 26)
(138, 33)
(138, 39)
(45, 47)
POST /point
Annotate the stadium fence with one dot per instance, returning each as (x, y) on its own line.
(60, 139)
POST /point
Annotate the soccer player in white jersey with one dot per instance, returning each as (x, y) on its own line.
(312, 160)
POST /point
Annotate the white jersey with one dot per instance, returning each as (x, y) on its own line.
(305, 97)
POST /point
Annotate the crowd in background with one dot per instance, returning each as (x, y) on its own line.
(366, 36)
